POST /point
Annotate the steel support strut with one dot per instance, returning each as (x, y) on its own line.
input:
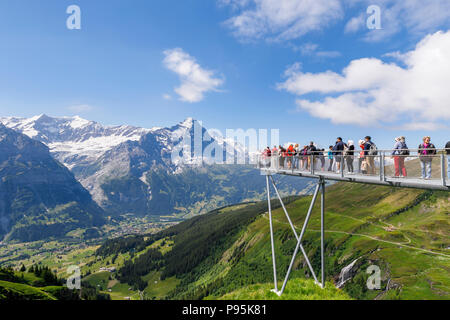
(320, 187)
(271, 236)
(322, 231)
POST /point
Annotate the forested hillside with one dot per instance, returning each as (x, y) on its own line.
(39, 197)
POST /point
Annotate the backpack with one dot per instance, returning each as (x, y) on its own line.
(345, 153)
(373, 150)
(290, 151)
(405, 151)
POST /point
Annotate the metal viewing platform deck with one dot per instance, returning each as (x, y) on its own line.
(384, 169)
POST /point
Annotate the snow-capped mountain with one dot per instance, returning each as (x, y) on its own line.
(72, 140)
(132, 170)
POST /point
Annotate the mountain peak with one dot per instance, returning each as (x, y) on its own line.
(78, 122)
(188, 123)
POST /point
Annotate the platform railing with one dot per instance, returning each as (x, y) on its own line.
(385, 165)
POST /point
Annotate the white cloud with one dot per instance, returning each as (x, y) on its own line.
(311, 49)
(281, 19)
(81, 108)
(355, 24)
(417, 17)
(372, 92)
(195, 81)
(423, 126)
(328, 54)
(277, 20)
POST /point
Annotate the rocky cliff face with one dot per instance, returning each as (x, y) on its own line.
(131, 170)
(39, 197)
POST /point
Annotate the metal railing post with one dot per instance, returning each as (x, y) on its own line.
(312, 164)
(382, 173)
(342, 164)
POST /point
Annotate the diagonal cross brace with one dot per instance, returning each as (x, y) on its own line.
(320, 186)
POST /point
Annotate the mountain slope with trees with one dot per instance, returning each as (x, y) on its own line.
(39, 197)
(402, 231)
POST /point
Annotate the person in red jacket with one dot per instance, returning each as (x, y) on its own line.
(290, 154)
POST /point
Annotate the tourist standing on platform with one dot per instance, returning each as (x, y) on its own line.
(303, 158)
(370, 151)
(290, 154)
(338, 152)
(426, 152)
(282, 154)
(330, 158)
(399, 154)
(447, 147)
(349, 156)
(322, 159)
(312, 150)
(265, 157)
(295, 157)
(274, 158)
(361, 156)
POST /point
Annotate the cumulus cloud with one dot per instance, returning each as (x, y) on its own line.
(372, 92)
(195, 80)
(281, 19)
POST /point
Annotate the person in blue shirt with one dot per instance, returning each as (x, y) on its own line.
(330, 158)
(338, 151)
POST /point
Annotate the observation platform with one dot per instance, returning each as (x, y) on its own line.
(380, 169)
(383, 172)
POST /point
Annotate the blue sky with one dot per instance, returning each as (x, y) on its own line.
(255, 64)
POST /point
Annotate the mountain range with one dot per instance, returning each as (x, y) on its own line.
(128, 169)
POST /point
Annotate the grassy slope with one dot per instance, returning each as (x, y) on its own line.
(404, 232)
(413, 254)
(298, 289)
(21, 291)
